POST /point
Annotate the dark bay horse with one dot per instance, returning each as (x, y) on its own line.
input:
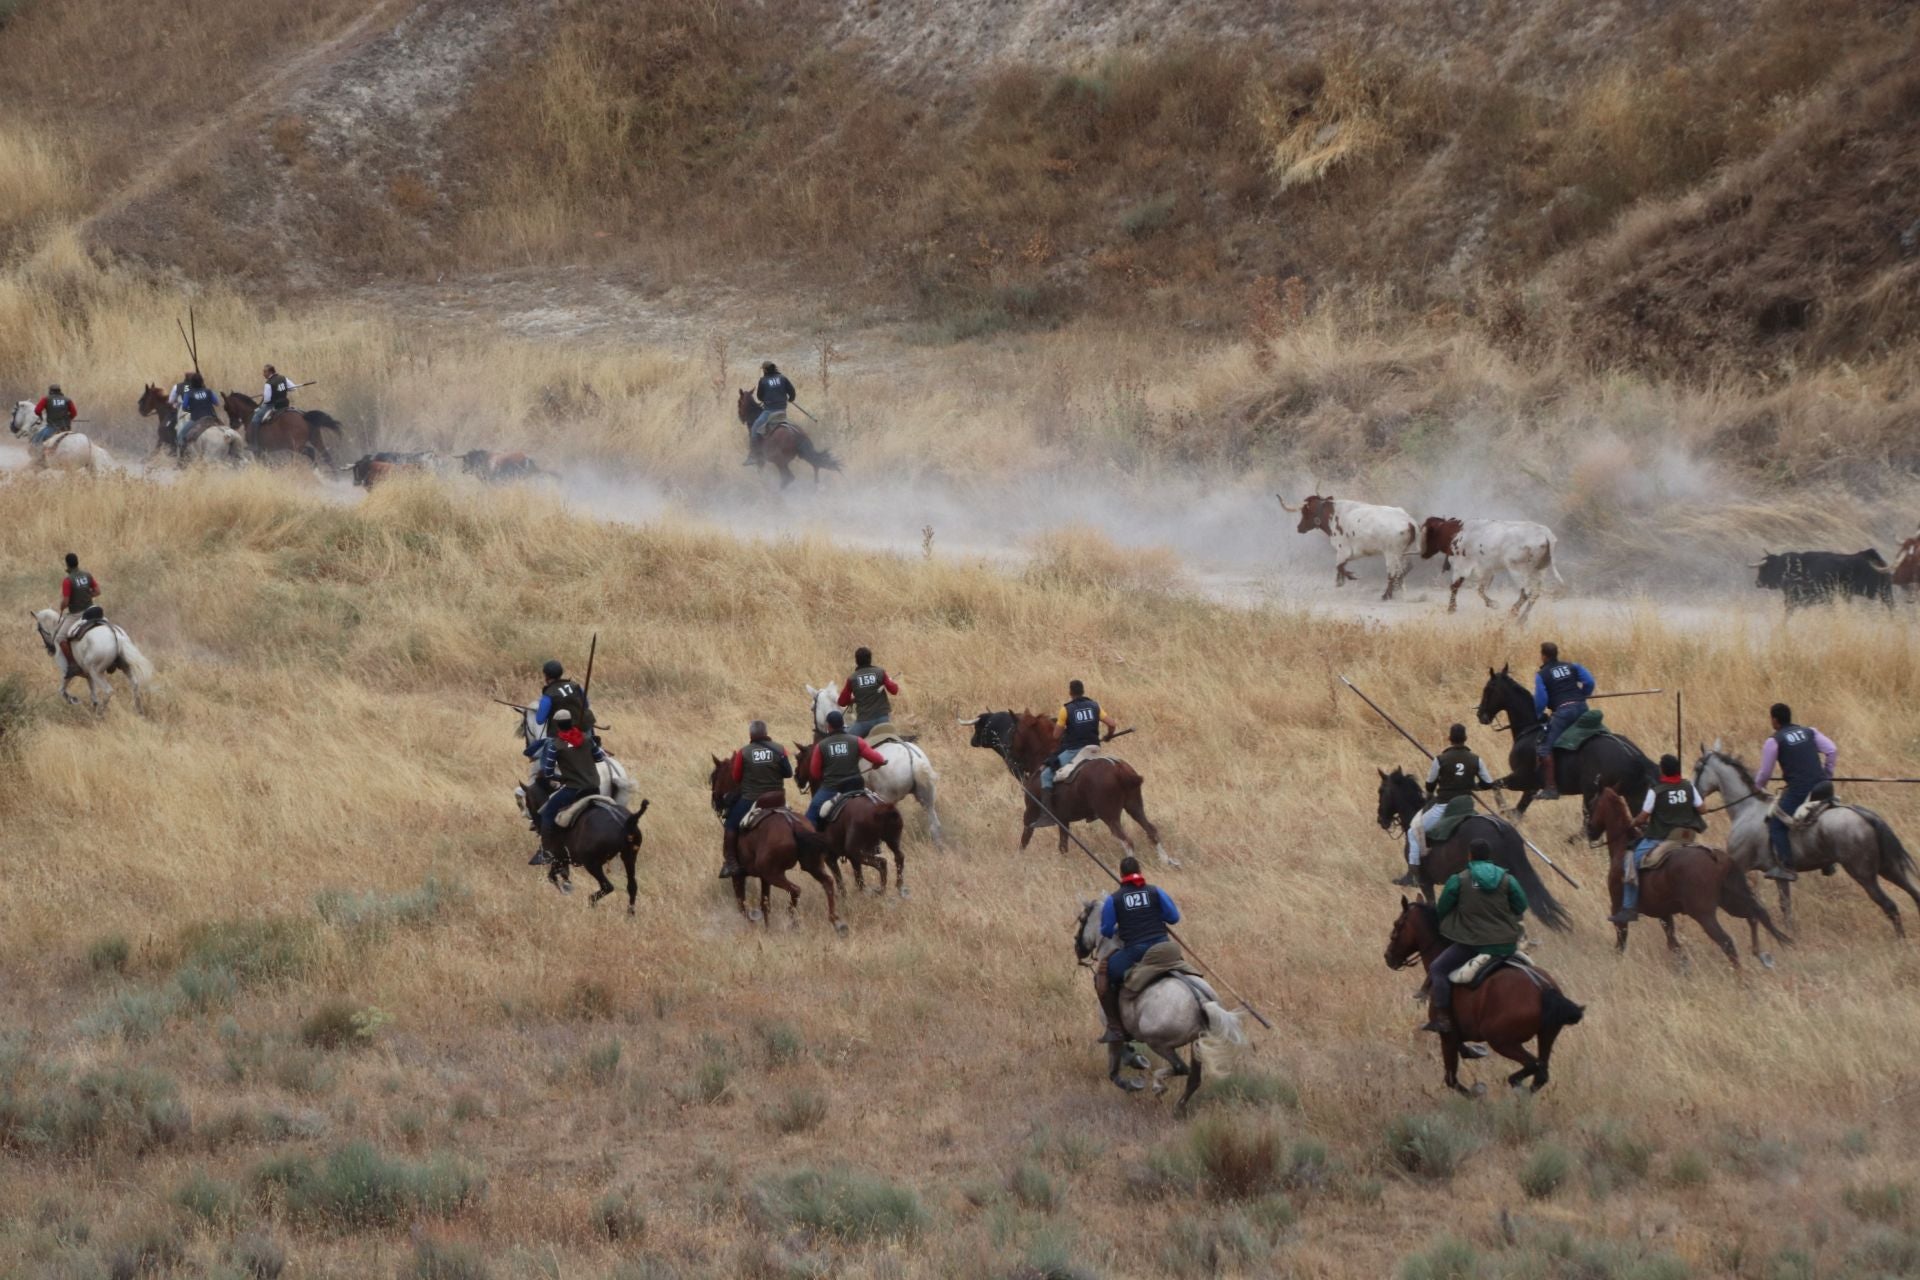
(1099, 791)
(1023, 740)
(780, 842)
(1608, 760)
(153, 403)
(857, 830)
(1400, 801)
(1694, 880)
(289, 431)
(596, 837)
(785, 442)
(1506, 1010)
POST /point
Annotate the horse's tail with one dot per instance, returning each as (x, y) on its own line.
(814, 456)
(1223, 1034)
(812, 847)
(1546, 908)
(1896, 864)
(1738, 900)
(1551, 565)
(1556, 1011)
(137, 665)
(891, 826)
(633, 825)
(322, 419)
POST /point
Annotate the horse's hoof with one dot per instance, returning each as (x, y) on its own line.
(1766, 960)
(840, 927)
(904, 893)
(630, 910)
(753, 917)
(1479, 1089)
(1137, 1061)
(1130, 1086)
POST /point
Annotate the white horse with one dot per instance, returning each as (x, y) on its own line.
(69, 451)
(218, 443)
(908, 772)
(1170, 1014)
(615, 782)
(97, 655)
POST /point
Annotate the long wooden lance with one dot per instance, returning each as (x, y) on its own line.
(1538, 852)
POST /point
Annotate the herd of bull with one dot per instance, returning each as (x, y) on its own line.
(372, 468)
(1477, 551)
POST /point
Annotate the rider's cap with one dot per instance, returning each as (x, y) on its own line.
(768, 366)
(563, 717)
(54, 390)
(835, 720)
(552, 670)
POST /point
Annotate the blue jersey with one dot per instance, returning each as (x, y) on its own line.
(1560, 683)
(200, 403)
(1083, 725)
(1138, 913)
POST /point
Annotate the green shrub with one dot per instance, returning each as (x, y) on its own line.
(1431, 1145)
(466, 1105)
(1198, 1247)
(1446, 1259)
(1545, 1171)
(373, 910)
(115, 1108)
(1886, 1252)
(359, 1187)
(1308, 1167)
(1149, 216)
(1235, 1159)
(1624, 1154)
(781, 1043)
(256, 952)
(303, 1071)
(333, 1025)
(1250, 1088)
(257, 1256)
(1878, 1202)
(206, 1197)
(712, 1080)
(617, 1217)
(204, 988)
(134, 1016)
(842, 1204)
(154, 1250)
(1689, 1168)
(799, 1111)
(593, 1001)
(602, 1063)
(440, 1260)
(1033, 1188)
(109, 954)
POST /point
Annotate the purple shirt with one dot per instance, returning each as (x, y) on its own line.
(1770, 755)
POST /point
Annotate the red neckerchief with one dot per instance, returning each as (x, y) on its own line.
(1135, 881)
(572, 737)
(1676, 778)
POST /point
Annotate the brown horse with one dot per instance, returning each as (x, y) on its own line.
(786, 441)
(1100, 790)
(857, 830)
(1400, 802)
(1693, 881)
(1023, 740)
(289, 431)
(1506, 1010)
(153, 403)
(780, 842)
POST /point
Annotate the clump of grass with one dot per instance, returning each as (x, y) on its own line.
(1689, 1168)
(206, 1197)
(204, 987)
(1448, 1258)
(444, 1260)
(134, 1016)
(617, 1216)
(593, 1000)
(256, 952)
(1250, 1089)
(1545, 1171)
(1150, 216)
(466, 1105)
(342, 1024)
(256, 1256)
(780, 1043)
(373, 910)
(1081, 558)
(1207, 1247)
(358, 1187)
(1616, 1157)
(711, 1082)
(1033, 1188)
(798, 1111)
(109, 954)
(303, 1071)
(1235, 1160)
(1432, 1145)
(602, 1062)
(111, 1109)
(1878, 1201)
(154, 1250)
(842, 1204)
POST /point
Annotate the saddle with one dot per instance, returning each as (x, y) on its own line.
(1657, 856)
(771, 802)
(885, 733)
(831, 809)
(1458, 810)
(92, 616)
(566, 816)
(1808, 813)
(1163, 960)
(1591, 724)
(1080, 757)
(1483, 966)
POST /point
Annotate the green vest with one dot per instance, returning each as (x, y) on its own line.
(59, 412)
(870, 700)
(1673, 809)
(80, 594)
(1481, 917)
(764, 769)
(1459, 773)
(839, 761)
(574, 767)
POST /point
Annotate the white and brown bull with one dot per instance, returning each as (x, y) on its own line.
(1358, 530)
(1906, 567)
(1477, 551)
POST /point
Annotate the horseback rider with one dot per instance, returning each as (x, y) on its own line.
(1079, 723)
(759, 768)
(566, 763)
(866, 692)
(174, 396)
(202, 408)
(1457, 771)
(58, 413)
(1480, 910)
(78, 591)
(834, 767)
(562, 694)
(774, 392)
(1672, 805)
(1560, 693)
(1138, 914)
(1807, 758)
(276, 394)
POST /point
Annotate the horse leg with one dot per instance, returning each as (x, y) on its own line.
(826, 883)
(1866, 880)
(1620, 939)
(598, 870)
(899, 868)
(1116, 1058)
(1709, 922)
(1136, 808)
(1453, 595)
(740, 898)
(1026, 834)
(923, 791)
(1546, 1038)
(1516, 1051)
(627, 860)
(766, 903)
(1785, 889)
(1450, 1059)
(1193, 1083)
(1673, 939)
(786, 474)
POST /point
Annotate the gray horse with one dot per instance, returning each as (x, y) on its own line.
(1169, 1015)
(1856, 840)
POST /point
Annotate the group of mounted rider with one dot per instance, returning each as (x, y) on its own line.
(198, 406)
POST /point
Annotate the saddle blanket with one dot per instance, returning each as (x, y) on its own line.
(1807, 814)
(566, 816)
(1458, 810)
(1481, 967)
(835, 803)
(1162, 958)
(1591, 724)
(73, 626)
(1080, 757)
(1658, 855)
(772, 802)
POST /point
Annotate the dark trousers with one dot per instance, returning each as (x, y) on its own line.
(1558, 723)
(1456, 954)
(1126, 957)
(825, 792)
(861, 728)
(738, 809)
(1790, 800)
(555, 803)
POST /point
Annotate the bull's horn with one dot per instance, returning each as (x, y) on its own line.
(1284, 506)
(1757, 564)
(975, 720)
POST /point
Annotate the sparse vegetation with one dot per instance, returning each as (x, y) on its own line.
(798, 1111)
(1432, 1145)
(1545, 1171)
(843, 1204)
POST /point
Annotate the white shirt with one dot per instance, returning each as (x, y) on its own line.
(1647, 808)
(266, 390)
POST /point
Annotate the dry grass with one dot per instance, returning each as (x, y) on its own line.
(328, 664)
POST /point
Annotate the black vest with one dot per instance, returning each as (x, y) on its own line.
(59, 411)
(200, 403)
(574, 766)
(765, 768)
(1138, 914)
(565, 695)
(282, 391)
(1563, 684)
(81, 593)
(870, 701)
(1672, 810)
(839, 760)
(775, 391)
(1459, 773)
(1083, 725)
(1801, 764)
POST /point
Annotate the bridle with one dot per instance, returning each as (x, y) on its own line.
(1755, 794)
(1083, 957)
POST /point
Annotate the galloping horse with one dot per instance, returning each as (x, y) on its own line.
(1507, 1009)
(1400, 802)
(289, 431)
(781, 841)
(908, 771)
(67, 451)
(154, 403)
(857, 830)
(1856, 839)
(1101, 789)
(1176, 1011)
(1694, 880)
(96, 655)
(786, 441)
(1607, 760)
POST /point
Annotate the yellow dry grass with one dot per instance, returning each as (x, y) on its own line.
(321, 723)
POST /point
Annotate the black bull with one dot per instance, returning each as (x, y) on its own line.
(1814, 577)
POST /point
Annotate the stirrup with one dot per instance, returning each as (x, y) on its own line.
(1408, 880)
(1626, 915)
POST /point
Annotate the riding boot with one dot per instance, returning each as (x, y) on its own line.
(1110, 1005)
(1629, 904)
(1410, 879)
(730, 855)
(1550, 789)
(1782, 868)
(540, 857)
(1439, 1021)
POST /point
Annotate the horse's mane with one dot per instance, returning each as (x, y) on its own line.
(1739, 766)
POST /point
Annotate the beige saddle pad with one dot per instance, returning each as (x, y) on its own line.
(1470, 973)
(883, 733)
(1658, 855)
(1081, 757)
(1162, 958)
(835, 804)
(566, 816)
